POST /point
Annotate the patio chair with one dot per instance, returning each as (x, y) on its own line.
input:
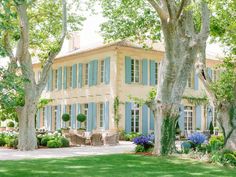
(111, 139)
(96, 139)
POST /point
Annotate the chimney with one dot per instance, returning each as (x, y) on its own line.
(74, 41)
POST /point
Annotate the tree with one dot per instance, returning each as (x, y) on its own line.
(184, 25)
(222, 94)
(34, 29)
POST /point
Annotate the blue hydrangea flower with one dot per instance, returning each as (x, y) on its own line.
(197, 138)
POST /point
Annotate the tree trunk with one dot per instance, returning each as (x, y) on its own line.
(27, 136)
(228, 126)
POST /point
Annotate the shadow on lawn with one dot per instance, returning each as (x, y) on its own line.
(111, 165)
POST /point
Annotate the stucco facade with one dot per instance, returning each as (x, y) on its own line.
(88, 82)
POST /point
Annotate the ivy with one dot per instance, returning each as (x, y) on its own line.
(196, 100)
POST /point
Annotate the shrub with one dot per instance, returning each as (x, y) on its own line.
(197, 138)
(216, 143)
(10, 124)
(140, 148)
(56, 143)
(2, 141)
(45, 140)
(186, 146)
(64, 142)
(224, 157)
(144, 141)
(65, 117)
(211, 128)
(81, 117)
(131, 136)
(11, 142)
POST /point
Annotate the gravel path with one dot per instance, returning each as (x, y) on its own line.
(11, 154)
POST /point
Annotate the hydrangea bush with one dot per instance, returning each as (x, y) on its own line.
(144, 143)
(197, 138)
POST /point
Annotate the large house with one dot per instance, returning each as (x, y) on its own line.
(87, 81)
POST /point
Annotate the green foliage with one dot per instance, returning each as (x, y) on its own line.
(54, 143)
(216, 143)
(196, 100)
(225, 86)
(224, 157)
(64, 142)
(186, 146)
(65, 117)
(2, 141)
(116, 106)
(130, 136)
(211, 128)
(81, 117)
(10, 124)
(140, 148)
(45, 140)
(9, 140)
(43, 102)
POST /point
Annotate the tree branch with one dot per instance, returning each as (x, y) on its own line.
(53, 53)
(170, 4)
(181, 7)
(163, 15)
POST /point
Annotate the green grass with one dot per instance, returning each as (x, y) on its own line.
(126, 165)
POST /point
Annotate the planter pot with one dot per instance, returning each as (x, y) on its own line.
(64, 131)
(80, 132)
(2, 129)
(10, 128)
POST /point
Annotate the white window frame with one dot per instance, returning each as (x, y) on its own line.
(188, 118)
(135, 71)
(101, 114)
(86, 73)
(156, 72)
(55, 117)
(135, 118)
(56, 77)
(190, 81)
(102, 70)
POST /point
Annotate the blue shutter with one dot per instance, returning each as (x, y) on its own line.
(73, 116)
(90, 77)
(106, 115)
(198, 116)
(38, 119)
(145, 119)
(58, 118)
(127, 70)
(152, 72)
(181, 118)
(50, 80)
(65, 78)
(59, 78)
(151, 124)
(127, 117)
(144, 72)
(94, 123)
(74, 75)
(90, 117)
(80, 75)
(209, 71)
(195, 81)
(107, 70)
(49, 118)
(46, 118)
(95, 72)
(78, 112)
(209, 116)
(48, 84)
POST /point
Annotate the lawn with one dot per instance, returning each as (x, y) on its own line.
(127, 165)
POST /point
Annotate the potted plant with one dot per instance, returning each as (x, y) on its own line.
(65, 118)
(216, 130)
(10, 126)
(81, 118)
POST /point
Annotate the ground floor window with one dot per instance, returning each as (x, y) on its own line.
(70, 113)
(43, 117)
(135, 118)
(55, 117)
(85, 112)
(188, 118)
(101, 115)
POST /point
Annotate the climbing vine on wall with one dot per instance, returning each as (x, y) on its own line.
(196, 100)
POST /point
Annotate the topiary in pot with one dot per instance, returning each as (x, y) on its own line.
(65, 117)
(81, 118)
(10, 124)
(211, 128)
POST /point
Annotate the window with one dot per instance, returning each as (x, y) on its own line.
(190, 81)
(55, 79)
(188, 117)
(135, 68)
(86, 74)
(70, 113)
(70, 76)
(85, 111)
(215, 75)
(55, 117)
(156, 73)
(43, 117)
(135, 118)
(101, 114)
(102, 71)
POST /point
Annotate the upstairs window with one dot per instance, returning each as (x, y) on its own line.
(190, 81)
(86, 74)
(70, 76)
(135, 71)
(156, 73)
(55, 78)
(102, 75)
